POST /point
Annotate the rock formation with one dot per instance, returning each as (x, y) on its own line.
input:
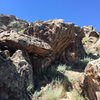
(45, 41)
(27, 49)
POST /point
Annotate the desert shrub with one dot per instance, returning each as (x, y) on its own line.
(83, 62)
(36, 95)
(75, 95)
(85, 40)
(86, 59)
(51, 91)
(62, 79)
(15, 25)
(72, 79)
(21, 30)
(54, 91)
(63, 68)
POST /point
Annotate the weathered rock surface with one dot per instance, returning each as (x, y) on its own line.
(16, 41)
(64, 39)
(16, 75)
(55, 32)
(90, 81)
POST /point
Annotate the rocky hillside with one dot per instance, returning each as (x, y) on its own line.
(30, 55)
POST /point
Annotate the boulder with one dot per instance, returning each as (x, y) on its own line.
(65, 39)
(90, 81)
(94, 49)
(54, 32)
(91, 37)
(16, 41)
(16, 77)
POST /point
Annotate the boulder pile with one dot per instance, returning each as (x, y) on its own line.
(27, 49)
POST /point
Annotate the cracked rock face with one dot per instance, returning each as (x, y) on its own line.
(64, 38)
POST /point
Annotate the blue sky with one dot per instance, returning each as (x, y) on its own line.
(80, 12)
